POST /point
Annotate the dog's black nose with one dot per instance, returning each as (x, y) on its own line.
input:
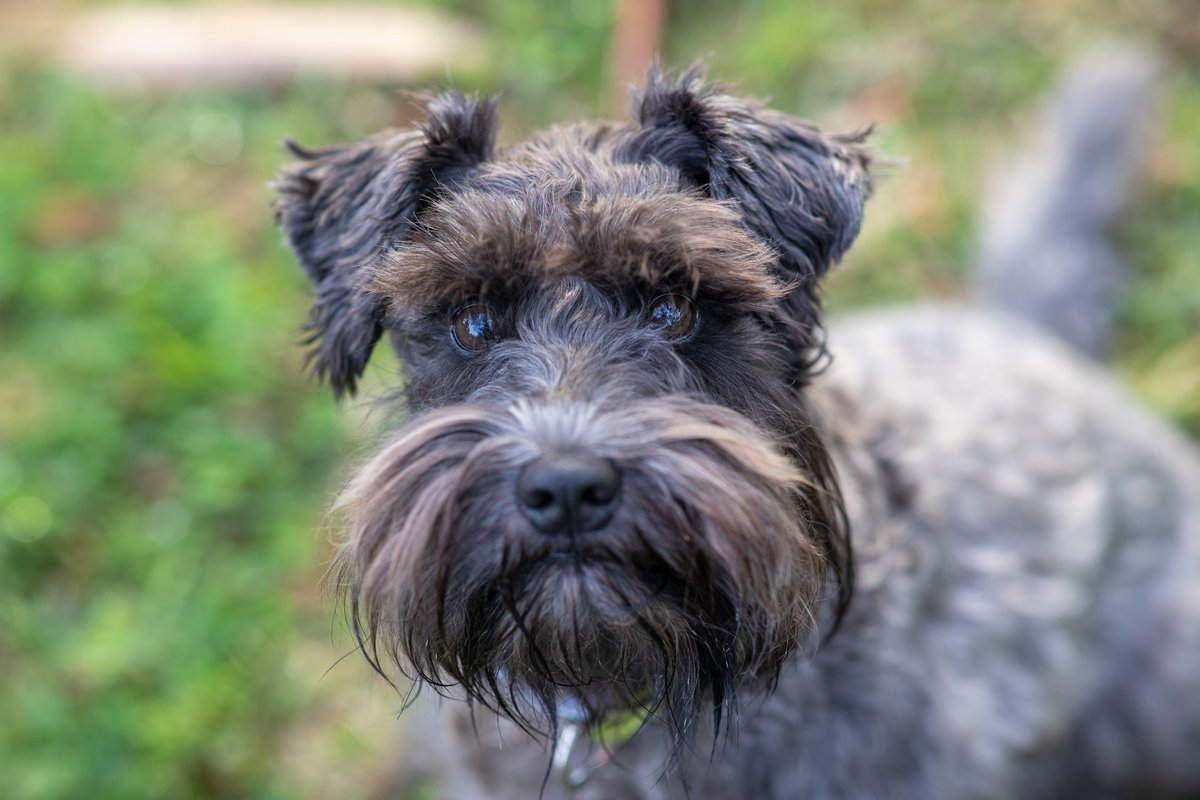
(568, 493)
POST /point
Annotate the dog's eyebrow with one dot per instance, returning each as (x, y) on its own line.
(474, 243)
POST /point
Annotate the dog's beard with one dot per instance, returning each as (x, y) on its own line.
(706, 578)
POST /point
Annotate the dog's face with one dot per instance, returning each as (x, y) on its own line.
(610, 489)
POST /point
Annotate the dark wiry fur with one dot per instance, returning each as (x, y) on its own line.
(1025, 622)
(730, 523)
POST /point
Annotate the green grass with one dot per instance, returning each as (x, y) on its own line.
(164, 462)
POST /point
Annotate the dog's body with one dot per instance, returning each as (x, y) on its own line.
(629, 489)
(1016, 630)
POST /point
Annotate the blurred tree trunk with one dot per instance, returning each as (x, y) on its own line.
(636, 39)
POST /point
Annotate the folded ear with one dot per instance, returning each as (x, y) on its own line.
(797, 188)
(341, 208)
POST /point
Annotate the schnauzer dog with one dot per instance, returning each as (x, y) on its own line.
(661, 550)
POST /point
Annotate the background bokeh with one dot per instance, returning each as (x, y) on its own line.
(165, 462)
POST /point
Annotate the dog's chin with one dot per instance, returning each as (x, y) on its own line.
(585, 610)
(597, 633)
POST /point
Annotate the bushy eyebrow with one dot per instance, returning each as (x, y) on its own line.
(476, 243)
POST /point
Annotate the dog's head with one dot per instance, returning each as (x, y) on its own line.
(610, 489)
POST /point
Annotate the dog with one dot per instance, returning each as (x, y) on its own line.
(653, 545)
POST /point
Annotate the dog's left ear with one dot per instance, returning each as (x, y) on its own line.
(341, 208)
(799, 189)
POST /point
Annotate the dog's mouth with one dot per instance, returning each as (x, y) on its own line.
(590, 585)
(607, 550)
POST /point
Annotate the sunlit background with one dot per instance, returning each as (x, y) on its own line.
(165, 462)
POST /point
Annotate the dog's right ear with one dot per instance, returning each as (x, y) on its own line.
(341, 208)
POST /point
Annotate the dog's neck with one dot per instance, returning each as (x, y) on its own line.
(584, 743)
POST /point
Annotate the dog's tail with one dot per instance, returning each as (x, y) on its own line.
(1044, 248)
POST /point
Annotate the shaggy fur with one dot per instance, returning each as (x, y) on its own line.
(1026, 546)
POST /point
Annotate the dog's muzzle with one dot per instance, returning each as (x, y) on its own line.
(656, 551)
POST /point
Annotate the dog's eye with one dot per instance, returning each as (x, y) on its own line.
(474, 327)
(674, 314)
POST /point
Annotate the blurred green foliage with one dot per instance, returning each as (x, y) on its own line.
(164, 462)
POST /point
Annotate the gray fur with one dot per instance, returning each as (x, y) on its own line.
(958, 564)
